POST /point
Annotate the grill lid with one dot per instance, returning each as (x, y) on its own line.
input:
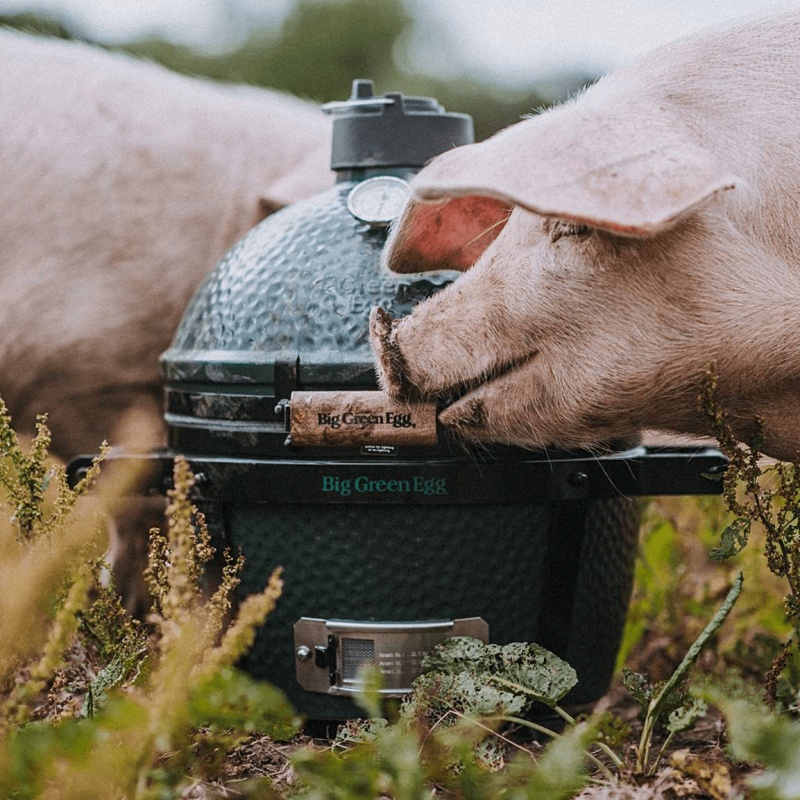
(392, 130)
(288, 307)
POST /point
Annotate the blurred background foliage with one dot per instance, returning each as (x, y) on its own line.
(320, 46)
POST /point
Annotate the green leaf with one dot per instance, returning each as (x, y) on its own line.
(560, 771)
(664, 700)
(527, 670)
(388, 764)
(369, 697)
(612, 730)
(457, 654)
(67, 754)
(714, 476)
(326, 775)
(681, 719)
(638, 687)
(30, 754)
(232, 699)
(130, 656)
(773, 740)
(436, 695)
(667, 690)
(359, 731)
(732, 540)
(483, 698)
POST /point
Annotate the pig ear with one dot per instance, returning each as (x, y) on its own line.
(631, 177)
(445, 235)
(304, 179)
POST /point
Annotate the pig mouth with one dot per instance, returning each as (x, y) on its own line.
(446, 397)
(393, 368)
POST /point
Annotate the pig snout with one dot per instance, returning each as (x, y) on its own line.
(620, 245)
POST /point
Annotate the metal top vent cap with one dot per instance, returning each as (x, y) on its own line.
(392, 130)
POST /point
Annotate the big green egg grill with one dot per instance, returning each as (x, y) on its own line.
(387, 549)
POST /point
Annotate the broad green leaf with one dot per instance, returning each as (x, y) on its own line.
(456, 655)
(232, 699)
(525, 669)
(466, 693)
(681, 719)
(732, 540)
(484, 698)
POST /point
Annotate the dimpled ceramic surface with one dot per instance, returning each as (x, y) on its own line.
(559, 576)
(302, 282)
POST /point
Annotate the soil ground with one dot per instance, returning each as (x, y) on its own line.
(696, 764)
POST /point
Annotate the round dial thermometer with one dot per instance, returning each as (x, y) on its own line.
(378, 200)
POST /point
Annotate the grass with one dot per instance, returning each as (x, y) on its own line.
(154, 695)
(94, 704)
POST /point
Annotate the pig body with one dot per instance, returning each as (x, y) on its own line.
(616, 246)
(123, 184)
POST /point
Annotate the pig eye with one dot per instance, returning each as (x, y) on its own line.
(574, 229)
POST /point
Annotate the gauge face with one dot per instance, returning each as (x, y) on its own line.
(378, 200)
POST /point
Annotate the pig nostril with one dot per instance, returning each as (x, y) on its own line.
(393, 369)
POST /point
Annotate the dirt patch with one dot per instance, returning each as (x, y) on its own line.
(696, 764)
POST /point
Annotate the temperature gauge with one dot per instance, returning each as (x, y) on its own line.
(378, 200)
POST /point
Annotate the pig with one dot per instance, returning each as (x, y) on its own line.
(613, 249)
(123, 184)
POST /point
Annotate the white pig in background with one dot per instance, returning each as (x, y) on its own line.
(122, 185)
(621, 243)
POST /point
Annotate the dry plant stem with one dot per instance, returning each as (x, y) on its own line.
(561, 713)
(656, 706)
(61, 633)
(541, 729)
(745, 467)
(487, 728)
(238, 638)
(46, 548)
(773, 534)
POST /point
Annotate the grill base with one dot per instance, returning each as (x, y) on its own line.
(559, 575)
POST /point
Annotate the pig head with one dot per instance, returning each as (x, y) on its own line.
(613, 248)
(123, 184)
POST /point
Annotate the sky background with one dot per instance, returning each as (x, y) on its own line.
(511, 42)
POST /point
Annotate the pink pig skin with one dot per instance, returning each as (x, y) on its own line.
(615, 247)
(123, 184)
